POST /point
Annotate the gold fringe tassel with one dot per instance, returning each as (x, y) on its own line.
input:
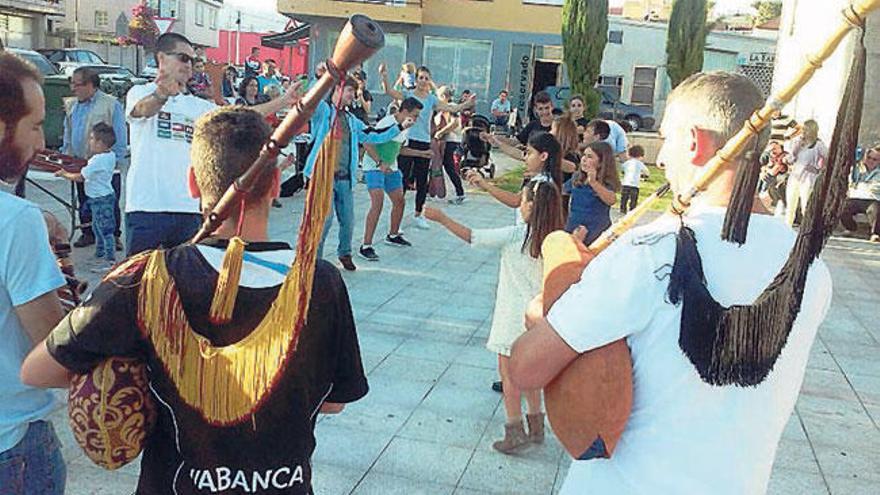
(227, 384)
(227, 283)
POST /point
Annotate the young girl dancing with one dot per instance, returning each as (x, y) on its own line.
(593, 189)
(519, 279)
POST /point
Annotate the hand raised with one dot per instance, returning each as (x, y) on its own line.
(433, 214)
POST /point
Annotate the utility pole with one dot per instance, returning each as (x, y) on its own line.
(76, 23)
(238, 38)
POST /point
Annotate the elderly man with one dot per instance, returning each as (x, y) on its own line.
(686, 434)
(30, 454)
(158, 208)
(92, 106)
(864, 195)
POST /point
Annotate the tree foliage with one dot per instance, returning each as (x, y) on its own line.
(686, 39)
(766, 10)
(584, 34)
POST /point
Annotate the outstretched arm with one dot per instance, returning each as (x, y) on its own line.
(386, 86)
(459, 230)
(505, 197)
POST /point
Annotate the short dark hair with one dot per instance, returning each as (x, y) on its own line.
(225, 143)
(14, 70)
(636, 151)
(254, 49)
(351, 82)
(543, 98)
(503, 92)
(424, 69)
(242, 86)
(410, 104)
(104, 133)
(600, 128)
(272, 60)
(169, 41)
(88, 75)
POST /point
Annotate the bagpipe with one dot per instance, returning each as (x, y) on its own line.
(111, 410)
(53, 161)
(590, 401)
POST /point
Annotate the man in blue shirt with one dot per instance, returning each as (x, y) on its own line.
(269, 77)
(93, 106)
(353, 133)
(501, 109)
(30, 454)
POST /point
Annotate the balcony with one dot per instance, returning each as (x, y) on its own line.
(402, 11)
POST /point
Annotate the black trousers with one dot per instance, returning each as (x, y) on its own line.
(449, 167)
(629, 198)
(85, 214)
(415, 170)
(866, 206)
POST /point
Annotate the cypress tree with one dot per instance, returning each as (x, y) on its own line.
(686, 39)
(584, 34)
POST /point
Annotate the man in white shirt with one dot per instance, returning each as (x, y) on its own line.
(30, 454)
(864, 195)
(610, 132)
(159, 210)
(684, 435)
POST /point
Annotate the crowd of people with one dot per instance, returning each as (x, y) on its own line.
(186, 151)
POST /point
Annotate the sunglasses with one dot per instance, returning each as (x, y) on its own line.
(182, 57)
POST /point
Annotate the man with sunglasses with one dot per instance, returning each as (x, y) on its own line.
(92, 106)
(159, 210)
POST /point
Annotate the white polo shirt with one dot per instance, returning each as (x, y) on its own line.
(685, 436)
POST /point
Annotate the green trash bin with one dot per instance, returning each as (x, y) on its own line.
(55, 89)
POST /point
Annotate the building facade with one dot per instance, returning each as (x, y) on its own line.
(804, 27)
(25, 23)
(516, 45)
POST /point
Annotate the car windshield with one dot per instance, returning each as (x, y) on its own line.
(42, 64)
(118, 71)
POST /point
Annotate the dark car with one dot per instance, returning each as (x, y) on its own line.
(56, 87)
(632, 117)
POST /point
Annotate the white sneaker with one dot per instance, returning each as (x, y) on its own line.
(421, 223)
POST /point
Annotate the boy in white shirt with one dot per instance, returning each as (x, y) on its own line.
(633, 171)
(382, 176)
(97, 176)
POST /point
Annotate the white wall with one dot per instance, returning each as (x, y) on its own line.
(805, 26)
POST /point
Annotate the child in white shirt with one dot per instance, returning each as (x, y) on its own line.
(633, 171)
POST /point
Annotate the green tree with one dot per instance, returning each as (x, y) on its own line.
(584, 34)
(767, 10)
(686, 39)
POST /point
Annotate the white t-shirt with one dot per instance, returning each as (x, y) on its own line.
(160, 146)
(98, 174)
(387, 121)
(27, 271)
(685, 436)
(632, 172)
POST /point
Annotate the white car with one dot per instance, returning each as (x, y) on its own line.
(68, 59)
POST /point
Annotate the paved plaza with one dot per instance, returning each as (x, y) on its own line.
(427, 425)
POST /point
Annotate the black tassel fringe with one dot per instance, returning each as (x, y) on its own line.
(740, 345)
(739, 210)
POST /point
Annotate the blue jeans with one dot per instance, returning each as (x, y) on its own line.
(85, 213)
(151, 230)
(104, 225)
(343, 205)
(34, 465)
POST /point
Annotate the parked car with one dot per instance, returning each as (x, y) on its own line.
(151, 70)
(68, 59)
(56, 87)
(116, 80)
(632, 117)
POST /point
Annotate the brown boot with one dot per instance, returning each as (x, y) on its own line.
(536, 427)
(515, 439)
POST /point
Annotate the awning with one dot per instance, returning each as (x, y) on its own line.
(289, 37)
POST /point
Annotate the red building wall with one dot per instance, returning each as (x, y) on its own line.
(292, 60)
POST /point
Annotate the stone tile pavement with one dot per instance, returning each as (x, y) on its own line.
(429, 420)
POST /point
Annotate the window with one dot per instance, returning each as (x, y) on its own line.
(165, 8)
(101, 18)
(616, 37)
(212, 18)
(393, 54)
(643, 85)
(611, 85)
(200, 14)
(463, 64)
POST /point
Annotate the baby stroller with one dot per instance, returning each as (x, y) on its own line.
(475, 153)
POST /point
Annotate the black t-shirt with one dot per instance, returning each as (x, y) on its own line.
(185, 454)
(531, 128)
(358, 110)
